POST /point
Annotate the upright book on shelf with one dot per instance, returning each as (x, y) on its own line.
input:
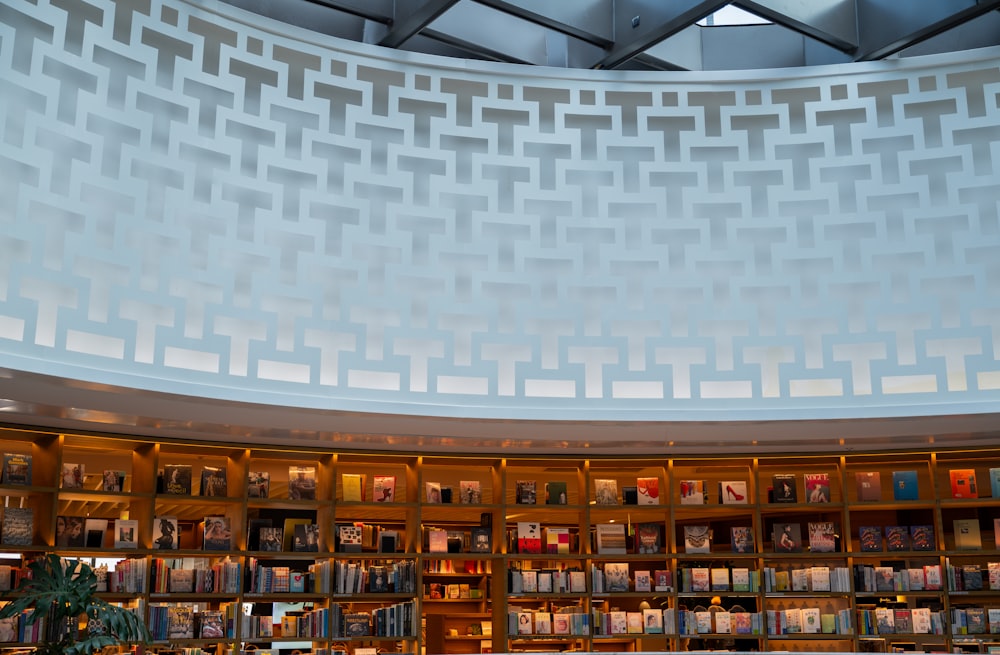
(525, 492)
(556, 493)
(470, 492)
(258, 484)
(606, 491)
(733, 492)
(870, 538)
(126, 533)
(113, 481)
(897, 538)
(70, 531)
(383, 488)
(16, 469)
(817, 487)
(822, 537)
(922, 537)
(166, 533)
(697, 539)
(177, 479)
(529, 537)
(72, 475)
(995, 482)
(648, 489)
(963, 483)
(869, 486)
(218, 533)
(610, 538)
(787, 538)
(214, 481)
(693, 492)
(904, 485)
(784, 489)
(302, 483)
(648, 539)
(741, 539)
(967, 536)
(18, 526)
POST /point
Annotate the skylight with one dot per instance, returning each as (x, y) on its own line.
(730, 15)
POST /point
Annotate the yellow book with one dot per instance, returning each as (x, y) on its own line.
(354, 487)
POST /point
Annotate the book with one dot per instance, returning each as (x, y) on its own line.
(557, 540)
(211, 624)
(967, 535)
(16, 469)
(437, 540)
(817, 487)
(741, 539)
(610, 538)
(177, 479)
(643, 581)
(662, 580)
(606, 492)
(733, 492)
(180, 581)
(922, 537)
(305, 538)
(741, 578)
(904, 485)
(166, 533)
(995, 482)
(357, 624)
(383, 488)
(697, 539)
(630, 495)
(218, 533)
(996, 533)
(481, 539)
(271, 539)
(302, 483)
(470, 492)
(787, 538)
(719, 579)
(869, 486)
(94, 531)
(784, 488)
(214, 481)
(72, 475)
(556, 493)
(648, 490)
(180, 622)
(70, 531)
(126, 533)
(525, 492)
(897, 538)
(432, 493)
(113, 480)
(258, 484)
(18, 526)
(648, 538)
(652, 621)
(693, 492)
(963, 483)
(870, 538)
(254, 525)
(529, 537)
(701, 578)
(822, 537)
(616, 577)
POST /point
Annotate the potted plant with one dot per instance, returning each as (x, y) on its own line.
(61, 591)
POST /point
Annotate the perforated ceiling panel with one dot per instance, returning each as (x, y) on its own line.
(200, 201)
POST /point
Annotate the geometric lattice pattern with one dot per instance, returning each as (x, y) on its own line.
(196, 200)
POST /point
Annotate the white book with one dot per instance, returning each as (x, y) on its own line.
(741, 579)
(820, 577)
(811, 620)
(720, 579)
(723, 622)
(793, 621)
(543, 623)
(800, 580)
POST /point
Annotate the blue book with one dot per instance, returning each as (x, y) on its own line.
(904, 485)
(995, 482)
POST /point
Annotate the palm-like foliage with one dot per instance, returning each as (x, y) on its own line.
(63, 591)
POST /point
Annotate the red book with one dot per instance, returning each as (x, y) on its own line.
(963, 483)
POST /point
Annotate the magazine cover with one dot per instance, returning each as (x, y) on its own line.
(870, 538)
(270, 539)
(606, 492)
(18, 526)
(306, 538)
(126, 533)
(113, 480)
(648, 490)
(784, 488)
(16, 469)
(526, 492)
(177, 479)
(787, 538)
(384, 488)
(697, 539)
(470, 492)
(70, 531)
(647, 538)
(302, 482)
(218, 533)
(72, 476)
(817, 487)
(742, 539)
(822, 537)
(214, 481)
(556, 493)
(897, 538)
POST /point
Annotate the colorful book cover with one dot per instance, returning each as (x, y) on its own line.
(741, 538)
(302, 483)
(258, 484)
(72, 476)
(616, 577)
(733, 492)
(822, 537)
(922, 537)
(529, 537)
(384, 488)
(218, 533)
(870, 538)
(214, 481)
(697, 539)
(271, 539)
(610, 538)
(16, 469)
(305, 538)
(481, 540)
(995, 482)
(963, 483)
(648, 539)
(432, 492)
(166, 533)
(606, 491)
(787, 538)
(996, 533)
(180, 622)
(693, 492)
(897, 538)
(556, 493)
(648, 490)
(784, 488)
(177, 479)
(869, 486)
(817, 487)
(470, 492)
(212, 624)
(904, 485)
(557, 540)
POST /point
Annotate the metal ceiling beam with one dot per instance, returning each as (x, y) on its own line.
(378, 11)
(404, 27)
(662, 30)
(473, 49)
(929, 31)
(833, 22)
(550, 21)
